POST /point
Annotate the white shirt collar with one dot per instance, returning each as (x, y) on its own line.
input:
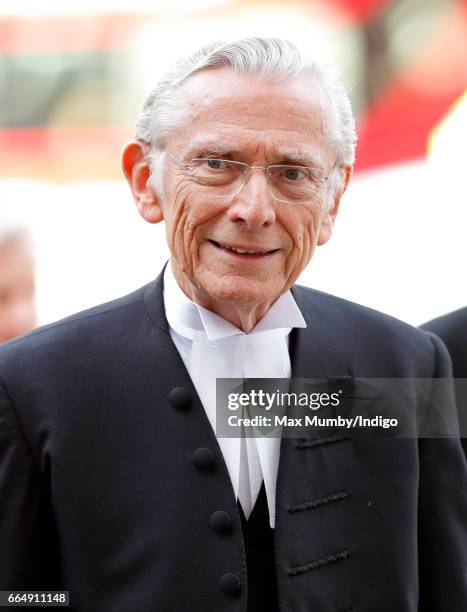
(188, 318)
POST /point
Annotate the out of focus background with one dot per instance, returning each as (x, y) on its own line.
(74, 74)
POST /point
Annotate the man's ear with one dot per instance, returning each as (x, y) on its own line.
(327, 223)
(136, 169)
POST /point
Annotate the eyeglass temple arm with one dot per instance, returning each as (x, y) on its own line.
(179, 161)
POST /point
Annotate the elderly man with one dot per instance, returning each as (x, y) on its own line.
(114, 485)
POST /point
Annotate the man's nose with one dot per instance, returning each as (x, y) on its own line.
(254, 204)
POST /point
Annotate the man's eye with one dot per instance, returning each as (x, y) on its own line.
(216, 164)
(293, 174)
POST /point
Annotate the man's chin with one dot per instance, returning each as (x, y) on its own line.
(239, 291)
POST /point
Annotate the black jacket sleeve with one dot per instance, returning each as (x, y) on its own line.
(29, 558)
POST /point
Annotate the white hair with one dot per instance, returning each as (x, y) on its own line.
(163, 109)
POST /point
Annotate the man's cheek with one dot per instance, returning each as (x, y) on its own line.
(302, 251)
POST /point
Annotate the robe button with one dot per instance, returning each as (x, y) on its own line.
(203, 458)
(220, 521)
(230, 584)
(180, 398)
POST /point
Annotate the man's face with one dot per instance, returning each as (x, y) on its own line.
(260, 121)
(17, 299)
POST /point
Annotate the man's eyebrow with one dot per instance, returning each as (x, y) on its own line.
(282, 155)
(209, 149)
(294, 157)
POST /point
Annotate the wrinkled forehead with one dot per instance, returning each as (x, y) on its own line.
(228, 111)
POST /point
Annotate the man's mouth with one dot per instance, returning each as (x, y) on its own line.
(245, 251)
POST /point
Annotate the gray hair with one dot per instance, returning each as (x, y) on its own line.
(163, 109)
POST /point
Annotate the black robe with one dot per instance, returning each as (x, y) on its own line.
(109, 482)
